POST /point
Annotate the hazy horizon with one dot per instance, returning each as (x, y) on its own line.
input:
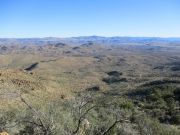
(88, 36)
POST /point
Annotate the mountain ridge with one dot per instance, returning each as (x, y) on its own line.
(86, 39)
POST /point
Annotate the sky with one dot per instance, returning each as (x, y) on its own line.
(67, 18)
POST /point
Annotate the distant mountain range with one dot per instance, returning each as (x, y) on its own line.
(87, 39)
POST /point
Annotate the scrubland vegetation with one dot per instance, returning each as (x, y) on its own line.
(90, 88)
(93, 113)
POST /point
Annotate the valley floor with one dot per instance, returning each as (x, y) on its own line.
(61, 88)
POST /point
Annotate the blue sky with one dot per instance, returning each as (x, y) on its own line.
(66, 18)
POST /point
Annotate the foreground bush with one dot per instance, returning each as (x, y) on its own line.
(86, 114)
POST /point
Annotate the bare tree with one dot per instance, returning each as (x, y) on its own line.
(83, 105)
(44, 123)
(114, 125)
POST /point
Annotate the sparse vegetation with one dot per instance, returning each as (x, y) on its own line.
(161, 102)
(89, 89)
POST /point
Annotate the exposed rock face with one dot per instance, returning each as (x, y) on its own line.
(14, 83)
(19, 79)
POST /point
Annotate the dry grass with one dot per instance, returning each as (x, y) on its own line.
(58, 73)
